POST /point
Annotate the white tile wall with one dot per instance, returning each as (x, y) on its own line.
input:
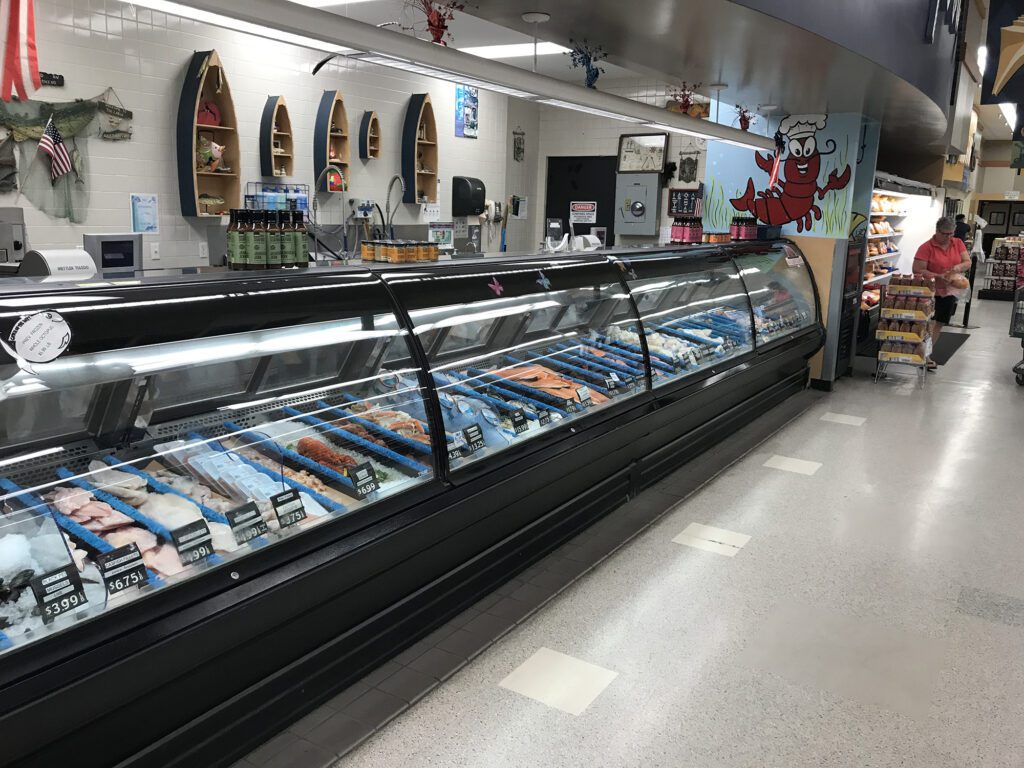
(143, 54)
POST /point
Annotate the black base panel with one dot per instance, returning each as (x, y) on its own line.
(245, 669)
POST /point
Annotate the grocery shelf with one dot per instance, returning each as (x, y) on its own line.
(901, 214)
(881, 256)
(879, 237)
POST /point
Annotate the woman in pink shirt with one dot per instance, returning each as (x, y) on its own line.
(942, 257)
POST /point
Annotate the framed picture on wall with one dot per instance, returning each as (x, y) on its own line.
(997, 218)
(1018, 219)
(642, 152)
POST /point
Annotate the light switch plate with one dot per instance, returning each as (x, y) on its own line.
(154, 251)
(204, 253)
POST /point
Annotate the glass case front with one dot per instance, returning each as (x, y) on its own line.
(694, 312)
(144, 466)
(517, 348)
(781, 289)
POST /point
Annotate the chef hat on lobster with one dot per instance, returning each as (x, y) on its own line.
(801, 126)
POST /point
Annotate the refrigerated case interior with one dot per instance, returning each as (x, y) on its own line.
(187, 427)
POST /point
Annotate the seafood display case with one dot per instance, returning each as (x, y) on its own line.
(225, 497)
(146, 464)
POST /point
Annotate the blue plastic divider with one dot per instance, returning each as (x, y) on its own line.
(212, 515)
(80, 532)
(377, 428)
(298, 458)
(595, 361)
(364, 444)
(467, 392)
(538, 395)
(323, 501)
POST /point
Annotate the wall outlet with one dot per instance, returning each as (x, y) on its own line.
(154, 251)
(204, 253)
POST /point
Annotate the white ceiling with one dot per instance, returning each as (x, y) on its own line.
(467, 31)
(993, 125)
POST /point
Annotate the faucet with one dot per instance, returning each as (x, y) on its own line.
(387, 204)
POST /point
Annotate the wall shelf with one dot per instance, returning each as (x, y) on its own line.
(276, 125)
(369, 136)
(419, 150)
(205, 81)
(330, 137)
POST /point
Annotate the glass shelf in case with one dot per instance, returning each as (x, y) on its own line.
(516, 348)
(781, 290)
(176, 457)
(693, 308)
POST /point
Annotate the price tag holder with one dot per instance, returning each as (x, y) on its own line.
(455, 453)
(544, 417)
(122, 569)
(246, 522)
(364, 478)
(571, 406)
(630, 384)
(58, 592)
(584, 395)
(519, 421)
(288, 508)
(474, 438)
(194, 542)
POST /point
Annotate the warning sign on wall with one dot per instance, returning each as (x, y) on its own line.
(583, 212)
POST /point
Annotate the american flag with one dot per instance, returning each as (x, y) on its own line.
(52, 143)
(19, 67)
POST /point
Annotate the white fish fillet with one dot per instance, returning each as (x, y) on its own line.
(143, 539)
(198, 491)
(223, 538)
(169, 510)
(67, 500)
(164, 560)
(124, 485)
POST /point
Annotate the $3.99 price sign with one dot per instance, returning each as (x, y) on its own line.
(122, 569)
(58, 592)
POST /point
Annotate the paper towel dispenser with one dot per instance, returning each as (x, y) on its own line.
(468, 196)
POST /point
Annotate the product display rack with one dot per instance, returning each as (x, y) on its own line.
(207, 193)
(331, 137)
(1001, 269)
(369, 136)
(907, 306)
(292, 478)
(419, 151)
(276, 142)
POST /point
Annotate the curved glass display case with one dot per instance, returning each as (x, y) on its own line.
(152, 432)
(184, 455)
(693, 308)
(516, 348)
(781, 289)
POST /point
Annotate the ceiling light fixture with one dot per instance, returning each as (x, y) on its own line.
(982, 58)
(514, 50)
(236, 25)
(588, 110)
(440, 74)
(1009, 110)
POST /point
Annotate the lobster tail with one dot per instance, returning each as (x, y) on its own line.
(746, 202)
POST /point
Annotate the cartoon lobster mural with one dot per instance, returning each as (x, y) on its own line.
(793, 199)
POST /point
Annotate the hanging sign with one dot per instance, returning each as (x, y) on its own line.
(115, 122)
(685, 202)
(51, 79)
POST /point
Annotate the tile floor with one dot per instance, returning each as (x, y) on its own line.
(873, 613)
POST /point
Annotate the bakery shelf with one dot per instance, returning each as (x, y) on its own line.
(919, 291)
(206, 82)
(881, 256)
(879, 237)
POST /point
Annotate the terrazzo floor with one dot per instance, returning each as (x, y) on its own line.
(850, 595)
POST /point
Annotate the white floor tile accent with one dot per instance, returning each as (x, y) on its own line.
(800, 466)
(711, 539)
(563, 682)
(842, 418)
